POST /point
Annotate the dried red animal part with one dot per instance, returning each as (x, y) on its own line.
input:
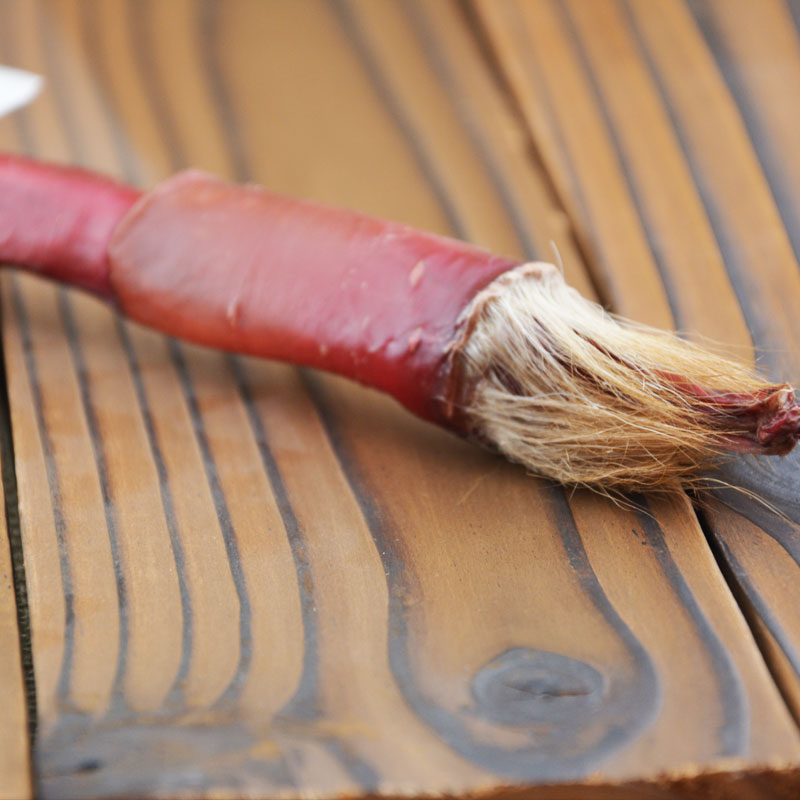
(494, 349)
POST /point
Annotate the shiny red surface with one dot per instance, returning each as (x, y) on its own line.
(243, 269)
(58, 220)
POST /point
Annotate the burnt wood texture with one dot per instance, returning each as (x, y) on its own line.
(231, 578)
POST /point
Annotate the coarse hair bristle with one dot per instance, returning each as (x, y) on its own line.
(579, 395)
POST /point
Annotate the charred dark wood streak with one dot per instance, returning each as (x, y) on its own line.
(571, 714)
(776, 482)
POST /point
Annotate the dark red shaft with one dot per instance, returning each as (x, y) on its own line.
(58, 221)
(242, 269)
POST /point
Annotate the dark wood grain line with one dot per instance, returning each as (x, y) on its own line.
(576, 745)
(175, 695)
(573, 200)
(757, 318)
(496, 71)
(137, 15)
(753, 596)
(150, 79)
(51, 48)
(769, 158)
(359, 42)
(625, 169)
(54, 485)
(236, 684)
(777, 483)
(443, 70)
(305, 702)
(16, 549)
(642, 701)
(525, 45)
(208, 26)
(776, 486)
(51, 468)
(75, 144)
(7, 454)
(361, 771)
(786, 533)
(374, 515)
(118, 701)
(783, 533)
(734, 730)
(91, 36)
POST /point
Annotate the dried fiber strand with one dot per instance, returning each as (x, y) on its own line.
(579, 395)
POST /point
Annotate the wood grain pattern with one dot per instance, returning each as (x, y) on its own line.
(758, 55)
(691, 103)
(15, 763)
(248, 580)
(15, 725)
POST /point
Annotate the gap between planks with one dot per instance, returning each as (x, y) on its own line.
(768, 649)
(577, 233)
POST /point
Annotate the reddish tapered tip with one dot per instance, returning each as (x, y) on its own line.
(765, 423)
(779, 429)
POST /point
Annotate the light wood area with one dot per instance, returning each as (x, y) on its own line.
(246, 580)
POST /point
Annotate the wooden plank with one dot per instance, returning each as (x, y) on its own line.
(15, 762)
(15, 736)
(758, 55)
(247, 580)
(700, 192)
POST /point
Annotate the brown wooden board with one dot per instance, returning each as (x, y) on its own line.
(15, 738)
(15, 764)
(248, 580)
(757, 51)
(694, 132)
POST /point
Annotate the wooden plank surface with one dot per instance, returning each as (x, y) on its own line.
(15, 739)
(15, 763)
(246, 580)
(692, 119)
(758, 55)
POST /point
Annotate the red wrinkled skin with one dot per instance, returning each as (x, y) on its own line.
(242, 269)
(245, 270)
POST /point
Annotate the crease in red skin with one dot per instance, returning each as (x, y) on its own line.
(241, 269)
(58, 221)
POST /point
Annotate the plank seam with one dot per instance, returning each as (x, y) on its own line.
(757, 627)
(14, 532)
(8, 474)
(502, 81)
(728, 250)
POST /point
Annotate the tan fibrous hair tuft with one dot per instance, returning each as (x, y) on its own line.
(576, 394)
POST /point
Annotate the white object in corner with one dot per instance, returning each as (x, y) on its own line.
(17, 88)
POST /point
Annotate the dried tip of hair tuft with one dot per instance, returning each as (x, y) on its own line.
(581, 396)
